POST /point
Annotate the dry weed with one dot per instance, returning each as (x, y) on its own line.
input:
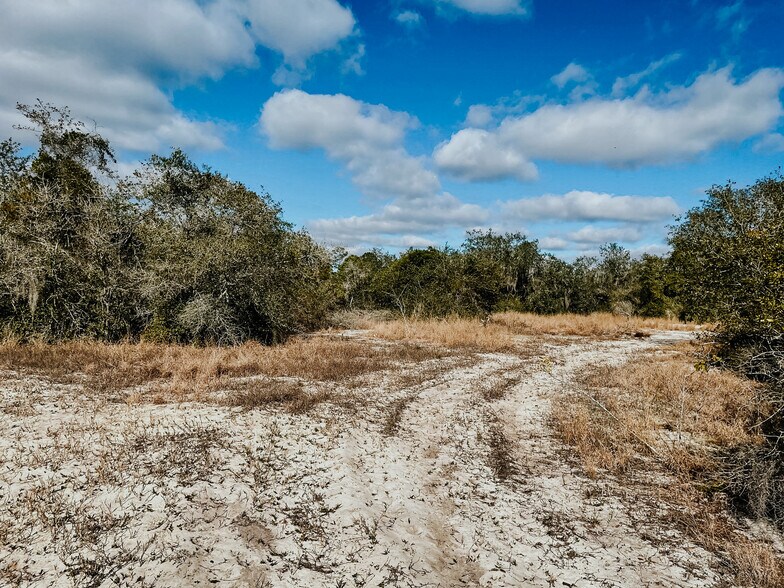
(660, 414)
(600, 324)
(502, 461)
(186, 372)
(453, 332)
(497, 332)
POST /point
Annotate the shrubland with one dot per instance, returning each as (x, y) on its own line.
(177, 253)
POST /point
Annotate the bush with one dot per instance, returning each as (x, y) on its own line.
(177, 254)
(729, 254)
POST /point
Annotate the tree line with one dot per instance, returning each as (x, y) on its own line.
(493, 272)
(181, 253)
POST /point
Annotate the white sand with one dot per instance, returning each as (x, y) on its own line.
(105, 494)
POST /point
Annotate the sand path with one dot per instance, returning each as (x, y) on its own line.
(470, 488)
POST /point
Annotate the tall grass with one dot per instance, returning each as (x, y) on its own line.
(496, 333)
(182, 370)
(659, 415)
(599, 324)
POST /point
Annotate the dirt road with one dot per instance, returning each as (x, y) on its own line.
(455, 479)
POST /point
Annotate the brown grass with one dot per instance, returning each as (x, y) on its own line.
(501, 460)
(659, 415)
(182, 371)
(496, 333)
(600, 324)
(292, 395)
(453, 332)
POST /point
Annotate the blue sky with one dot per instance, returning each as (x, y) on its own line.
(399, 123)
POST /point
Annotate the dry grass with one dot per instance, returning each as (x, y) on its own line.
(292, 395)
(497, 332)
(659, 406)
(661, 416)
(185, 372)
(453, 332)
(597, 325)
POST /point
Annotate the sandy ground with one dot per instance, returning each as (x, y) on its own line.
(458, 490)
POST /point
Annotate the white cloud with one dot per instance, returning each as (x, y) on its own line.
(478, 155)
(354, 62)
(553, 243)
(650, 249)
(675, 125)
(117, 62)
(400, 221)
(599, 235)
(127, 107)
(409, 18)
(732, 17)
(299, 28)
(490, 7)
(180, 37)
(590, 206)
(573, 72)
(770, 143)
(367, 139)
(623, 85)
(479, 116)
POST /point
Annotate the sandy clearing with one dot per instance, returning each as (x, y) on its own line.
(102, 494)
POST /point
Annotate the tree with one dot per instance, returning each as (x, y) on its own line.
(221, 266)
(356, 279)
(654, 287)
(499, 268)
(423, 282)
(178, 253)
(614, 271)
(66, 240)
(729, 256)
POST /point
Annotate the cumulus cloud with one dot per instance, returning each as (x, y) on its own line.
(478, 155)
(647, 128)
(366, 138)
(183, 37)
(592, 206)
(117, 61)
(479, 116)
(770, 143)
(623, 85)
(489, 7)
(128, 108)
(299, 28)
(401, 222)
(553, 243)
(573, 72)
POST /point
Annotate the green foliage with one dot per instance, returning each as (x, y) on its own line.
(179, 253)
(729, 257)
(423, 282)
(654, 287)
(729, 254)
(356, 281)
(497, 272)
(65, 239)
(221, 265)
